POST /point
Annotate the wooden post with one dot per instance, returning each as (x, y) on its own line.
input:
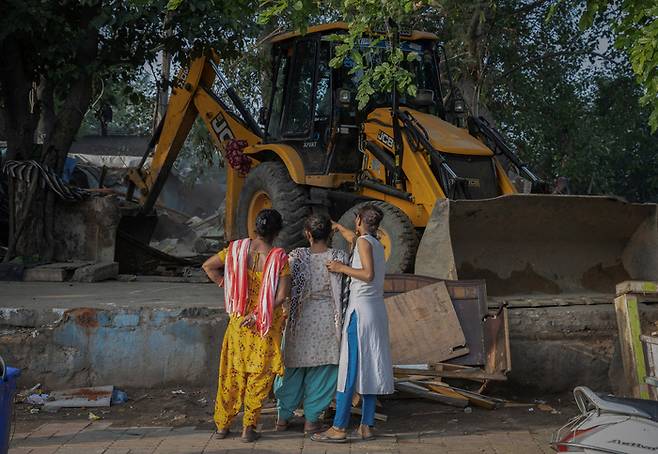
(630, 330)
(628, 323)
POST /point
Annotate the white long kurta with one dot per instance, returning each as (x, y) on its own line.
(375, 374)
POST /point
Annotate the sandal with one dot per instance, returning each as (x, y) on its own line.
(325, 437)
(281, 425)
(221, 434)
(365, 432)
(249, 435)
(312, 427)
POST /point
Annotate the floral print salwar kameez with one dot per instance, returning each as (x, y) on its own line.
(249, 362)
(312, 338)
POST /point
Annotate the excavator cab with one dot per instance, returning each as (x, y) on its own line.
(312, 107)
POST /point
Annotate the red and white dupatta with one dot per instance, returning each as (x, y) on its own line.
(235, 277)
(236, 292)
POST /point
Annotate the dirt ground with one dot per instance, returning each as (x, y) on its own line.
(176, 407)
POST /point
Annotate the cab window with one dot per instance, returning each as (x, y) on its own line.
(281, 65)
(299, 110)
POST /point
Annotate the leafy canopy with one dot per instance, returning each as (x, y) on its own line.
(635, 23)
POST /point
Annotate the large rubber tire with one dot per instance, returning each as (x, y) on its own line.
(401, 233)
(287, 197)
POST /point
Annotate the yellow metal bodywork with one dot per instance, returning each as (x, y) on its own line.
(191, 99)
(188, 100)
(420, 180)
(288, 156)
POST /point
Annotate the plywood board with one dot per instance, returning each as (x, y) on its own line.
(424, 327)
(470, 302)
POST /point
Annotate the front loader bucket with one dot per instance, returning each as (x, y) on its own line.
(551, 244)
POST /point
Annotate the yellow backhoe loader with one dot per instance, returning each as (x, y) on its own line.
(450, 208)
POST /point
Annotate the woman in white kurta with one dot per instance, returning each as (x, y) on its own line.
(365, 363)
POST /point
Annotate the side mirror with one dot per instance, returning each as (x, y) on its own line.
(262, 116)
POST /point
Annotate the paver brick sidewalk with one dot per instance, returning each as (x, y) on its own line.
(82, 437)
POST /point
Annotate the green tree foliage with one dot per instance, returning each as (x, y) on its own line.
(54, 55)
(635, 23)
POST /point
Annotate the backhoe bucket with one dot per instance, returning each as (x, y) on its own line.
(550, 244)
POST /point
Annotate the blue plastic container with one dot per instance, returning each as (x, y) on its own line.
(8, 376)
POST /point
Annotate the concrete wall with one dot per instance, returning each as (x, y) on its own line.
(553, 348)
(124, 347)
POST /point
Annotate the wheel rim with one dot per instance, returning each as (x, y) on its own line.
(260, 201)
(385, 239)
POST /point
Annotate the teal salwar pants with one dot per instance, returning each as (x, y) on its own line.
(314, 387)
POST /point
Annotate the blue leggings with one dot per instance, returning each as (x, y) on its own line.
(344, 399)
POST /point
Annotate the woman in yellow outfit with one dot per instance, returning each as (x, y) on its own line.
(257, 281)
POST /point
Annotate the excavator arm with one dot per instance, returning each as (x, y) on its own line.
(191, 98)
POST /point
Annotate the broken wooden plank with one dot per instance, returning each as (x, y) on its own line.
(639, 287)
(412, 372)
(424, 327)
(422, 392)
(473, 398)
(445, 390)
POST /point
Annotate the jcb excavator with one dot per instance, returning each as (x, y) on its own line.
(450, 208)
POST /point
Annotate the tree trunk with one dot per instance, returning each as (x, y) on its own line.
(34, 206)
(46, 98)
(470, 90)
(19, 116)
(165, 75)
(163, 88)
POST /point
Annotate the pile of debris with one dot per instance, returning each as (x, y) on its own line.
(443, 330)
(190, 237)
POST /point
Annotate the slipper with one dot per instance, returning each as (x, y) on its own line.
(359, 434)
(324, 438)
(221, 434)
(251, 436)
(313, 428)
(281, 426)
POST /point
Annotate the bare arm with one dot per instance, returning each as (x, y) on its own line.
(283, 291)
(213, 268)
(346, 233)
(365, 274)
